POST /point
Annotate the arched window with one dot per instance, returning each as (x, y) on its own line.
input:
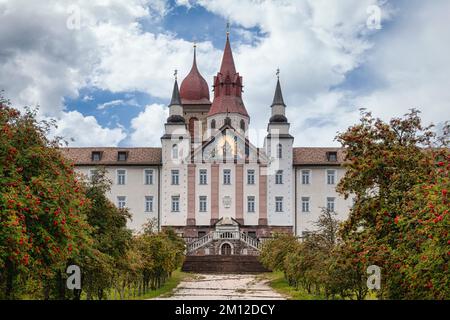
(242, 125)
(175, 151)
(228, 121)
(193, 127)
(213, 124)
(280, 151)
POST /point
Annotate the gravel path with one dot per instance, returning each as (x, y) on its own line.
(224, 287)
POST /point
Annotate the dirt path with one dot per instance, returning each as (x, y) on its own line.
(224, 287)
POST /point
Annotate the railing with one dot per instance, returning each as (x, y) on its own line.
(224, 235)
(252, 242)
(200, 242)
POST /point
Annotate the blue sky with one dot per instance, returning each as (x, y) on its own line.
(108, 81)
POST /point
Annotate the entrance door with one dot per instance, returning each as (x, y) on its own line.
(226, 249)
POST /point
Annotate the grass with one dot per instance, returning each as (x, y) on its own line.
(168, 287)
(279, 284)
(165, 290)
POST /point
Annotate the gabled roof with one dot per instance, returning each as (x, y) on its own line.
(109, 156)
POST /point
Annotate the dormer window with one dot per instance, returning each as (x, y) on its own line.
(96, 156)
(332, 156)
(122, 156)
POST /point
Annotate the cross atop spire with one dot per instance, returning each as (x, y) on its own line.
(227, 60)
(175, 93)
(175, 73)
(278, 97)
(228, 27)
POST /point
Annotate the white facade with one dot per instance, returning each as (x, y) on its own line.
(135, 190)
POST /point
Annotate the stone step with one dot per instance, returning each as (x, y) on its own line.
(223, 264)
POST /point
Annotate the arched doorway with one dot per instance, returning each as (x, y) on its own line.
(226, 250)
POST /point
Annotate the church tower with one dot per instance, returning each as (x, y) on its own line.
(175, 155)
(194, 94)
(228, 107)
(278, 145)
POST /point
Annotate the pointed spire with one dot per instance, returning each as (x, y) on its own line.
(227, 60)
(278, 97)
(175, 93)
(195, 56)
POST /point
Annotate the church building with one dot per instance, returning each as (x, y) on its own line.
(207, 180)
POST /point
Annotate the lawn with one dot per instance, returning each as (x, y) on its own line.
(165, 290)
(279, 284)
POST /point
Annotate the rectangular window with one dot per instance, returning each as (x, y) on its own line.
(331, 176)
(175, 177)
(227, 176)
(148, 173)
(93, 174)
(121, 202)
(305, 176)
(148, 203)
(251, 204)
(175, 203)
(305, 204)
(203, 203)
(122, 156)
(279, 177)
(203, 176)
(250, 176)
(121, 176)
(332, 156)
(278, 204)
(96, 155)
(330, 204)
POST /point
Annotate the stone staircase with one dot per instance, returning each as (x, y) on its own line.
(223, 235)
(223, 264)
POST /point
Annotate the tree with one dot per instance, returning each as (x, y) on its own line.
(112, 238)
(398, 172)
(42, 206)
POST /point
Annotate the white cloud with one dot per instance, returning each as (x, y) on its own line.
(116, 103)
(81, 131)
(412, 62)
(148, 126)
(316, 44)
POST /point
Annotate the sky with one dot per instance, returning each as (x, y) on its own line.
(104, 68)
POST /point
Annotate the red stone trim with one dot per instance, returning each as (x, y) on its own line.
(214, 193)
(239, 205)
(191, 195)
(262, 195)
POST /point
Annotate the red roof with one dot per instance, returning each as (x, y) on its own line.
(194, 88)
(109, 156)
(227, 67)
(228, 87)
(317, 156)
